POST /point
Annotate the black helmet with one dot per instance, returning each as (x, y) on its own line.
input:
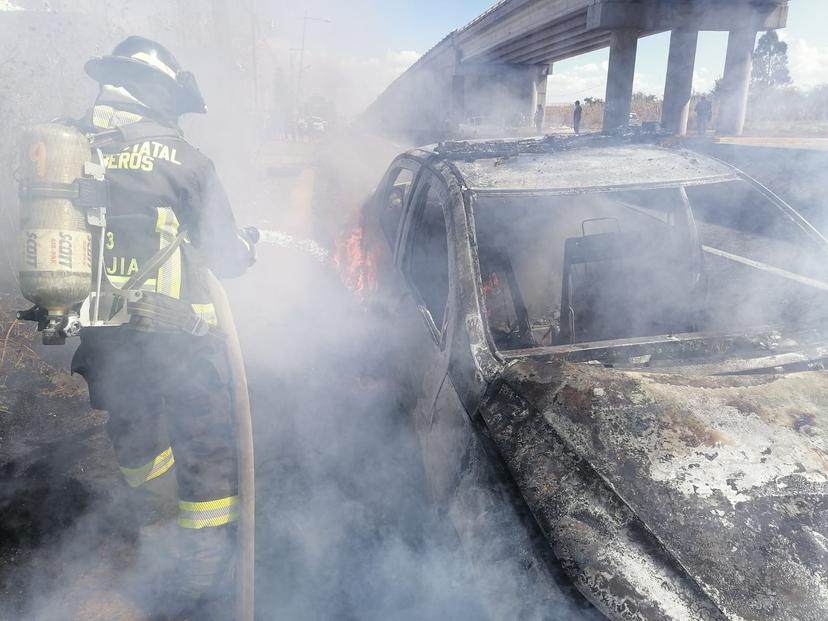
(137, 59)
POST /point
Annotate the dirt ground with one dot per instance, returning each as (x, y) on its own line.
(57, 468)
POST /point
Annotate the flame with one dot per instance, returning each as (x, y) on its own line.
(491, 285)
(356, 264)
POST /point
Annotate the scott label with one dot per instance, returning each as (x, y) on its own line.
(54, 250)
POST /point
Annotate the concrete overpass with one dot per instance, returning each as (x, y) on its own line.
(497, 64)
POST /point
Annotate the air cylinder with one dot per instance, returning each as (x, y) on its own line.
(55, 241)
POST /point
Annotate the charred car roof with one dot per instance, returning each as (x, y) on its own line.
(580, 164)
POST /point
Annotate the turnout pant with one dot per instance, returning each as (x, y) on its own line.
(169, 401)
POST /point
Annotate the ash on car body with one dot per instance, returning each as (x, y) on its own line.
(622, 341)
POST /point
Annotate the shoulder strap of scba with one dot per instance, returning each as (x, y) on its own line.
(160, 309)
(133, 132)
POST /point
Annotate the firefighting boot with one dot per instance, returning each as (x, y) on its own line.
(132, 509)
(204, 585)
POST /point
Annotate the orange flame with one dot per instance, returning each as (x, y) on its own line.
(491, 285)
(357, 265)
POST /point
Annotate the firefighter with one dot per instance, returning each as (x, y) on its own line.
(163, 376)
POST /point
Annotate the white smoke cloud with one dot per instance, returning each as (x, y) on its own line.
(335, 472)
(355, 81)
(807, 61)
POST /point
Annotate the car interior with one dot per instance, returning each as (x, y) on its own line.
(558, 270)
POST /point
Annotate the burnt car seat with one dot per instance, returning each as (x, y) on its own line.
(624, 285)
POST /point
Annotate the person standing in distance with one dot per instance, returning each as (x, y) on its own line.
(539, 115)
(704, 112)
(576, 118)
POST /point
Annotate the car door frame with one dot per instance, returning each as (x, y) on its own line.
(416, 166)
(406, 238)
(438, 347)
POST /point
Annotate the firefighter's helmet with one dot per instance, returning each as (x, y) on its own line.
(141, 59)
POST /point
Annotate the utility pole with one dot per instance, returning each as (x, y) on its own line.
(255, 59)
(302, 57)
(305, 21)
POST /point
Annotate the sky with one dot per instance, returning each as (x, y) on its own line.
(355, 49)
(387, 37)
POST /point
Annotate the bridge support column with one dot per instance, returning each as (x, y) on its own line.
(458, 98)
(540, 86)
(736, 81)
(678, 87)
(623, 47)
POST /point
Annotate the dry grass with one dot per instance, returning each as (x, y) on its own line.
(65, 386)
(760, 122)
(560, 115)
(18, 357)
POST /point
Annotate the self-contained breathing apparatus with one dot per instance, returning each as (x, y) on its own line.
(63, 204)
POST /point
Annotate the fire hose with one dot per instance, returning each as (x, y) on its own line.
(284, 240)
(245, 559)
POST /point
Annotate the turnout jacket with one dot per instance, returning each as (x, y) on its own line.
(162, 186)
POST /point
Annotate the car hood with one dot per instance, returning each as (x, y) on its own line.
(728, 472)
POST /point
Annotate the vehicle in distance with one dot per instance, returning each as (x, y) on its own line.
(613, 351)
(481, 127)
(318, 125)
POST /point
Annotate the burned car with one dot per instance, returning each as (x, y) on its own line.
(624, 341)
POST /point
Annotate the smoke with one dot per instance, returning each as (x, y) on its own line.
(347, 528)
(346, 525)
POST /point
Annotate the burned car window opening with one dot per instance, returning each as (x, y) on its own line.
(567, 269)
(393, 201)
(428, 264)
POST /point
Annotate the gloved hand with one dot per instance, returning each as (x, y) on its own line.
(252, 234)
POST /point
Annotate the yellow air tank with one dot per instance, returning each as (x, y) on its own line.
(55, 241)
